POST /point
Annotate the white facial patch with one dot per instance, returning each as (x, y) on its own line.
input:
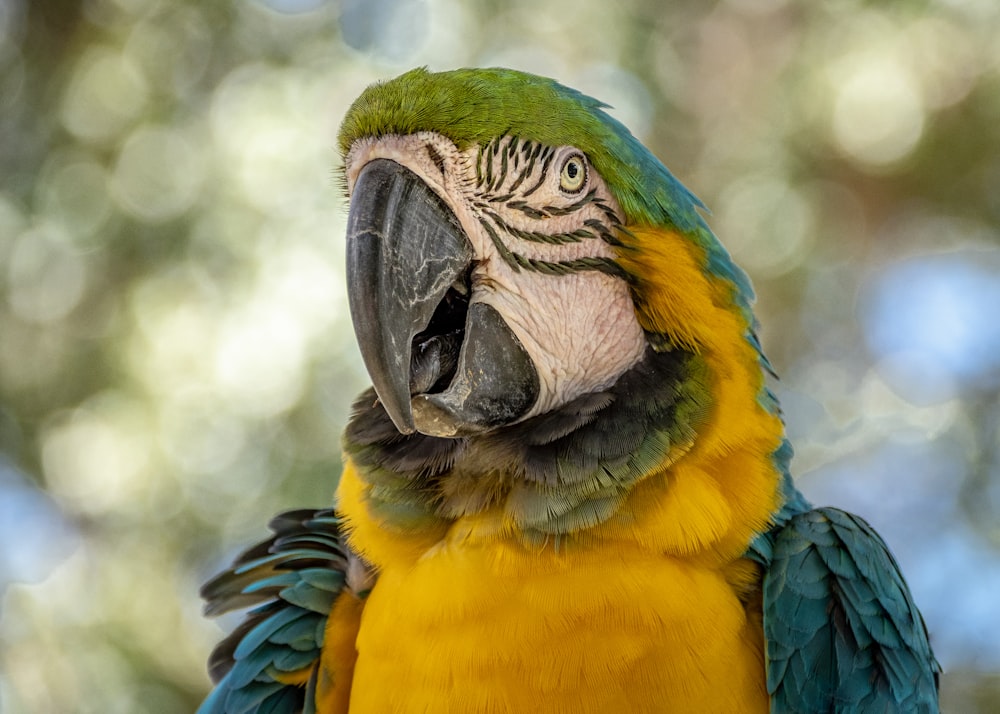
(541, 222)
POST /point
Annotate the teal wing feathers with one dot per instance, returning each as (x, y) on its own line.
(842, 631)
(291, 581)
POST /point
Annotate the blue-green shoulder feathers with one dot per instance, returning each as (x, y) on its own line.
(842, 632)
(291, 580)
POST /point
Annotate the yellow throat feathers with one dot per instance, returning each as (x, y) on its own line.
(706, 505)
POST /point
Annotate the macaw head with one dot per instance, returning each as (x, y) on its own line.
(512, 247)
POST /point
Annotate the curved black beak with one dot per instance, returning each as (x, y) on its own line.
(442, 363)
(405, 249)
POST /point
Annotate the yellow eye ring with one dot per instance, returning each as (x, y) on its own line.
(573, 174)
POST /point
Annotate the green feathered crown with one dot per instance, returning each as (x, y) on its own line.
(474, 106)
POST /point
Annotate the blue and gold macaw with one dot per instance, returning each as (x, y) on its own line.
(568, 490)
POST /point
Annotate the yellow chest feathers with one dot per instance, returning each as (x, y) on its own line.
(497, 629)
(650, 610)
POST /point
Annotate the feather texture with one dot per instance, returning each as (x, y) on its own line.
(552, 474)
(291, 581)
(842, 632)
(639, 547)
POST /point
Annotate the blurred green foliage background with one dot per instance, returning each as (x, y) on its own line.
(176, 361)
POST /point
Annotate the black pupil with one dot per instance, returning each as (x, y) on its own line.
(572, 169)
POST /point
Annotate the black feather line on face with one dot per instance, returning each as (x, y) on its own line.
(503, 172)
(529, 211)
(580, 234)
(573, 207)
(495, 225)
(546, 160)
(604, 232)
(558, 267)
(530, 152)
(505, 253)
(568, 267)
(436, 158)
(488, 160)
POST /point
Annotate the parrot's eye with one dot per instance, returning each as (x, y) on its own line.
(573, 174)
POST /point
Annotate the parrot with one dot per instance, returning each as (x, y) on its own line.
(568, 489)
